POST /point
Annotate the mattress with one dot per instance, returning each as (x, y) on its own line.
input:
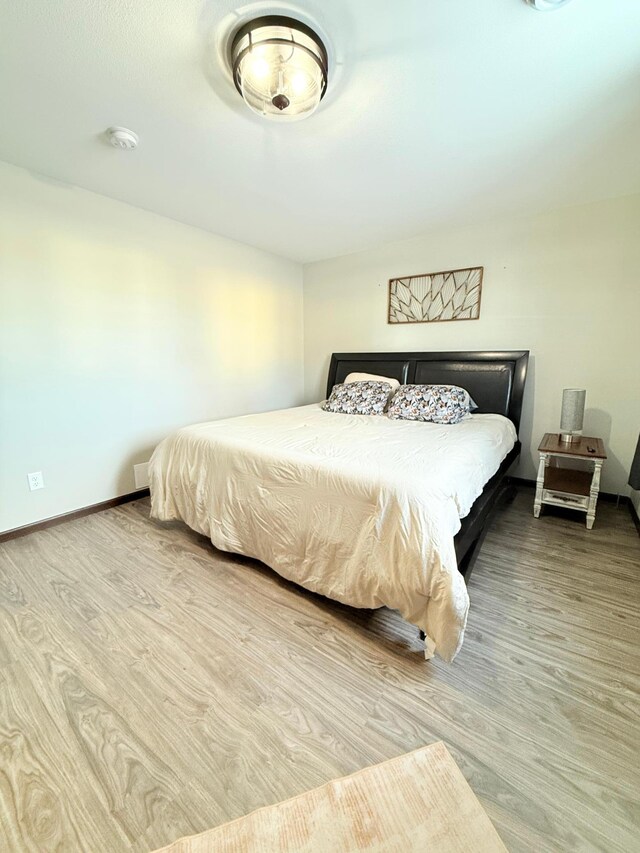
(362, 509)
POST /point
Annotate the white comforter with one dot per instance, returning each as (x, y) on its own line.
(362, 509)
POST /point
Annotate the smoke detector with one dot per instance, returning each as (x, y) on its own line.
(546, 5)
(121, 137)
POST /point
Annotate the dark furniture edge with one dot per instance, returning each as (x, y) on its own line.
(475, 525)
(634, 515)
(71, 516)
(519, 358)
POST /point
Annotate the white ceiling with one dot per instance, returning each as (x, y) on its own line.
(439, 112)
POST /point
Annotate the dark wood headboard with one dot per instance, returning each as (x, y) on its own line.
(495, 380)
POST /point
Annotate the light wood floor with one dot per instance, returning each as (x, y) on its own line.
(152, 687)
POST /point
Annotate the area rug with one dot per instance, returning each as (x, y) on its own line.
(416, 802)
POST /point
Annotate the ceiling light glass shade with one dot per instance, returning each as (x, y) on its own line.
(547, 5)
(279, 67)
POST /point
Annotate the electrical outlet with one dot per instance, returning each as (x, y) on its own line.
(36, 480)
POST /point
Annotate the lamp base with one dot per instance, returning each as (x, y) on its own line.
(569, 437)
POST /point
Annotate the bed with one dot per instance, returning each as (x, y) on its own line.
(363, 509)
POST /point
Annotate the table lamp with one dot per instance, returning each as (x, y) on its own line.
(572, 417)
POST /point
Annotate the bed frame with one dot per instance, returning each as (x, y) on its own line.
(495, 380)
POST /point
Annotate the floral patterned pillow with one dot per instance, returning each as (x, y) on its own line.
(440, 404)
(359, 398)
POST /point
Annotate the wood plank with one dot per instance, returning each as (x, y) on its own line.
(568, 480)
(588, 447)
(154, 687)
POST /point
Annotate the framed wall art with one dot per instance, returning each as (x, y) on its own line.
(436, 297)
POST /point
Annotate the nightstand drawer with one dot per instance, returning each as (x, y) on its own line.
(551, 496)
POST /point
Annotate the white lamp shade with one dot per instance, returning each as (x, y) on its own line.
(572, 417)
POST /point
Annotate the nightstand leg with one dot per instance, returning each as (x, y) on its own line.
(537, 504)
(593, 494)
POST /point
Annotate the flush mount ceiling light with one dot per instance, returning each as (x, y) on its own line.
(546, 5)
(279, 67)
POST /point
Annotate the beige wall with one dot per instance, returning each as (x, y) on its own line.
(116, 327)
(563, 285)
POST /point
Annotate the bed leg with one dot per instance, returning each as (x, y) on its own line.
(429, 648)
(429, 645)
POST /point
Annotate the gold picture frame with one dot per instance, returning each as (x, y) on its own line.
(435, 297)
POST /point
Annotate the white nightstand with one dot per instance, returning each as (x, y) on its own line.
(569, 487)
